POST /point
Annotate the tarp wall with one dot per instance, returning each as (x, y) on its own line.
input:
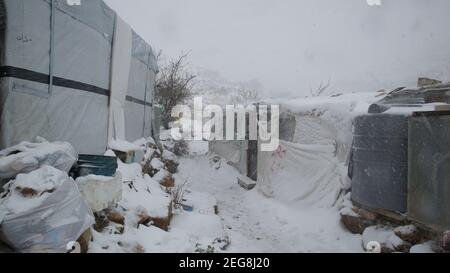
(77, 110)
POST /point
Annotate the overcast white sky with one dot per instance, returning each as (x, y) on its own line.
(289, 45)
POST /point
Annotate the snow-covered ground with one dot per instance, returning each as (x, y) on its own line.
(255, 223)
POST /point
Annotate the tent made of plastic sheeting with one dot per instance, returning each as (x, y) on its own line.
(310, 166)
(302, 174)
(73, 73)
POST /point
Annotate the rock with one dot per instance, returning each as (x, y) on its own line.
(85, 240)
(147, 168)
(101, 221)
(159, 222)
(410, 234)
(368, 215)
(171, 166)
(171, 162)
(116, 217)
(421, 82)
(246, 183)
(387, 239)
(353, 221)
(446, 241)
(168, 182)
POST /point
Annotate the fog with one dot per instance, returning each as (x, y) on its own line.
(291, 46)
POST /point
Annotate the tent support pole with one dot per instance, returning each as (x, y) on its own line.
(52, 45)
(145, 99)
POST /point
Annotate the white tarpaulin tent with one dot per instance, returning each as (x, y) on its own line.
(73, 73)
(310, 166)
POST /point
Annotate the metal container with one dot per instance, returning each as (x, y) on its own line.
(378, 166)
(429, 172)
(94, 164)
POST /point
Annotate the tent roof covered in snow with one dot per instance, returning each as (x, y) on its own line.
(73, 73)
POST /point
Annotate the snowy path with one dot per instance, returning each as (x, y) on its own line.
(255, 223)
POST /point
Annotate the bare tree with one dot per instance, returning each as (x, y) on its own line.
(173, 86)
(321, 89)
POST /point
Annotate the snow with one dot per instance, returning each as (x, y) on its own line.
(255, 223)
(123, 146)
(100, 192)
(406, 230)
(156, 164)
(168, 155)
(43, 182)
(327, 119)
(27, 156)
(426, 247)
(383, 235)
(42, 211)
(202, 228)
(142, 192)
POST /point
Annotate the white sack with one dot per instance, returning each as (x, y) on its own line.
(43, 211)
(26, 157)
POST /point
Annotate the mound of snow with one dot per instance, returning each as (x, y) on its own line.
(26, 157)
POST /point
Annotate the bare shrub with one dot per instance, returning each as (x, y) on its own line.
(173, 86)
(178, 193)
(321, 89)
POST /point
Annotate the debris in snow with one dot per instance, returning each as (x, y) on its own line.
(168, 182)
(50, 200)
(85, 240)
(26, 157)
(410, 234)
(356, 220)
(171, 162)
(386, 237)
(116, 217)
(352, 219)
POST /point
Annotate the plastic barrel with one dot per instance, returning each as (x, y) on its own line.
(380, 162)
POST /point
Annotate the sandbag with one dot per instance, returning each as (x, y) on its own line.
(26, 157)
(43, 211)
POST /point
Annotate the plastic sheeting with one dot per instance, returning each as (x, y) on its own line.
(302, 175)
(120, 70)
(77, 111)
(27, 157)
(47, 221)
(233, 151)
